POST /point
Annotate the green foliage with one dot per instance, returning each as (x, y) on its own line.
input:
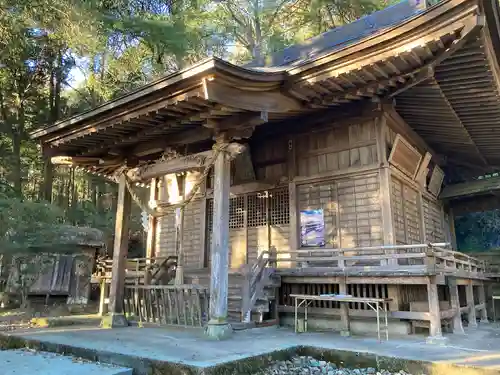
(478, 231)
(28, 225)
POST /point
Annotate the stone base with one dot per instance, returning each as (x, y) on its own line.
(114, 321)
(484, 321)
(345, 333)
(437, 340)
(218, 330)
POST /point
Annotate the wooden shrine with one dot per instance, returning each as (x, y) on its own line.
(348, 137)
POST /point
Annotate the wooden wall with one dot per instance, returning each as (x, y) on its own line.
(341, 169)
(417, 215)
(351, 209)
(406, 212)
(336, 149)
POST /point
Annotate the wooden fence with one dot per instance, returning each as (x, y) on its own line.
(183, 305)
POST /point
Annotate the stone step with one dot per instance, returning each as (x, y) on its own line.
(26, 362)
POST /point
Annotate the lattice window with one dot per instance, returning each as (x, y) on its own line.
(258, 204)
(279, 207)
(237, 212)
(257, 210)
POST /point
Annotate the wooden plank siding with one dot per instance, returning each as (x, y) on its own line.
(434, 220)
(336, 149)
(406, 211)
(351, 208)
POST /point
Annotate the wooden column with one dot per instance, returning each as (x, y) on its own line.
(150, 240)
(344, 312)
(218, 326)
(179, 232)
(453, 233)
(455, 305)
(294, 222)
(482, 300)
(116, 316)
(436, 334)
(385, 185)
(469, 293)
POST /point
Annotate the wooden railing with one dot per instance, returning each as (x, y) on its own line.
(183, 305)
(389, 257)
(454, 260)
(138, 271)
(253, 285)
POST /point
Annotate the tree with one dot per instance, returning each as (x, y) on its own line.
(265, 26)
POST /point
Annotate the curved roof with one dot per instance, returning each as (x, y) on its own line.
(439, 65)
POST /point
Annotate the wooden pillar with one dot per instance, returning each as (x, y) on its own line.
(393, 292)
(482, 300)
(294, 222)
(179, 232)
(455, 305)
(103, 305)
(436, 334)
(116, 316)
(453, 233)
(218, 326)
(344, 312)
(150, 240)
(469, 292)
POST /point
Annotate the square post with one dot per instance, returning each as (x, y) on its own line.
(179, 231)
(218, 327)
(116, 317)
(482, 300)
(436, 335)
(344, 311)
(455, 305)
(469, 293)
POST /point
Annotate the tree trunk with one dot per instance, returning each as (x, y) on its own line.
(16, 167)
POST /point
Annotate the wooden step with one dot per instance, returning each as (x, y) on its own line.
(234, 304)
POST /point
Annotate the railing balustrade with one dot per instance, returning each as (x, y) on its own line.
(182, 305)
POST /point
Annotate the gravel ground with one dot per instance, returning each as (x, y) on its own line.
(309, 365)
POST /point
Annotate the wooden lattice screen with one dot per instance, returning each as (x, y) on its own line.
(257, 221)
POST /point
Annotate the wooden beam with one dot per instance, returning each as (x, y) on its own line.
(190, 136)
(181, 164)
(241, 120)
(266, 101)
(85, 160)
(470, 188)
